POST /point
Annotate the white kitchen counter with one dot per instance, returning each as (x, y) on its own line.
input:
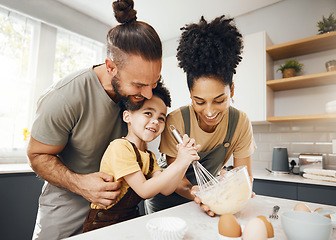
(200, 225)
(266, 175)
(15, 168)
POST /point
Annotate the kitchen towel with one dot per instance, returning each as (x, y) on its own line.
(319, 177)
(322, 172)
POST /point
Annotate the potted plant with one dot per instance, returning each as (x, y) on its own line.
(327, 24)
(290, 68)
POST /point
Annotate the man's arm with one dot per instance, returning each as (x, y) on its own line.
(97, 188)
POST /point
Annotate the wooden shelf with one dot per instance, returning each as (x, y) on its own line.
(314, 117)
(304, 46)
(312, 80)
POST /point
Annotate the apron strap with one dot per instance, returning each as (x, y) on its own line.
(139, 160)
(186, 119)
(232, 124)
(233, 120)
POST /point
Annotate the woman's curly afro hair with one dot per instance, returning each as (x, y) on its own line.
(210, 50)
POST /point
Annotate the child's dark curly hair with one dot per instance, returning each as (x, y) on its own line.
(210, 50)
(162, 92)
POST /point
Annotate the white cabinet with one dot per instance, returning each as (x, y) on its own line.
(251, 93)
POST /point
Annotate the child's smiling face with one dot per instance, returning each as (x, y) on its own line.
(148, 122)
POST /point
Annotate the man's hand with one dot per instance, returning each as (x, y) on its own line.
(98, 188)
(197, 200)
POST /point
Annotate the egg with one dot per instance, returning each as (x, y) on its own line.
(255, 229)
(301, 207)
(328, 216)
(269, 226)
(229, 226)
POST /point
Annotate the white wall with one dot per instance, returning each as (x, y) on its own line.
(283, 21)
(57, 14)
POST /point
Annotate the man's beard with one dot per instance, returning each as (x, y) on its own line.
(125, 101)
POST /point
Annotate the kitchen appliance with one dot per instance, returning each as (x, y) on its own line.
(308, 160)
(280, 160)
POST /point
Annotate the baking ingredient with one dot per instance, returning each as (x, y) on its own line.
(301, 207)
(328, 216)
(269, 226)
(229, 226)
(230, 195)
(255, 229)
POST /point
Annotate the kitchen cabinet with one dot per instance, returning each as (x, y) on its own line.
(296, 48)
(252, 95)
(296, 191)
(19, 202)
(275, 189)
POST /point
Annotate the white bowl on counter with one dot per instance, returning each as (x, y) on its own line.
(299, 225)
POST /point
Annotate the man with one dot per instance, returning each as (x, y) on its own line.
(78, 117)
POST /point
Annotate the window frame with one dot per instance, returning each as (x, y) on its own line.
(40, 72)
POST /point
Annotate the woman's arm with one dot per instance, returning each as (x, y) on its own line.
(244, 162)
(248, 163)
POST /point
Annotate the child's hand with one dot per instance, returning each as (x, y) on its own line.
(187, 151)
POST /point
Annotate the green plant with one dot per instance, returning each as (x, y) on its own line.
(291, 63)
(327, 24)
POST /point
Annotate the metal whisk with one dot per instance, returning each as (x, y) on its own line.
(203, 177)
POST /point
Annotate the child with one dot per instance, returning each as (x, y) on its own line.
(128, 160)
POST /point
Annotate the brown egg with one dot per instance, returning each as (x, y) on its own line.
(269, 226)
(228, 226)
(328, 216)
(301, 207)
(255, 229)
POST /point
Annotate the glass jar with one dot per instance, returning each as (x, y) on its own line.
(331, 65)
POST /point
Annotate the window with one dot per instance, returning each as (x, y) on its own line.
(74, 52)
(19, 87)
(16, 35)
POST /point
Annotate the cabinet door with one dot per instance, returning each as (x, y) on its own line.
(275, 189)
(317, 194)
(19, 200)
(251, 94)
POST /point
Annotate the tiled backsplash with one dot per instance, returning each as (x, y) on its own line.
(303, 137)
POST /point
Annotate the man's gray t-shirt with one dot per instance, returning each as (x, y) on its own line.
(77, 111)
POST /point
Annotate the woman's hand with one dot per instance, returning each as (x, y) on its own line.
(197, 200)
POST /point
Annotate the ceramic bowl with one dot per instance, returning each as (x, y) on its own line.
(230, 194)
(167, 228)
(299, 225)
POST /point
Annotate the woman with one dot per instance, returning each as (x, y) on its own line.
(209, 54)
